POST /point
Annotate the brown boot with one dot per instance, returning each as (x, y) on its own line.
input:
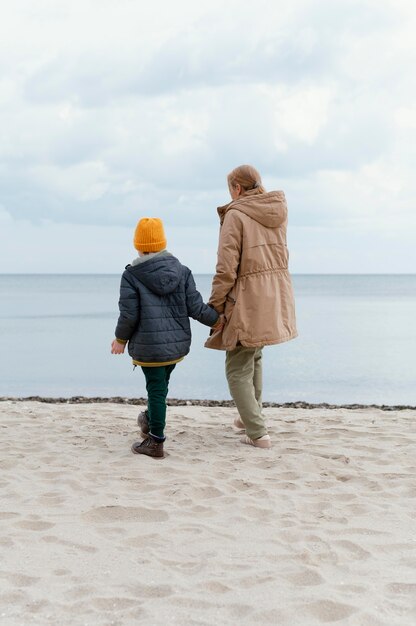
(143, 422)
(149, 446)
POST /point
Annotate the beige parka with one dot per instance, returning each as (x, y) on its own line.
(252, 286)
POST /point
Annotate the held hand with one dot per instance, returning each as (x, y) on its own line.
(117, 348)
(220, 323)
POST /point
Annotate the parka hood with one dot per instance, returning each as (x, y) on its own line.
(161, 274)
(269, 209)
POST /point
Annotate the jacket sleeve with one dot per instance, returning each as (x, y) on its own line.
(196, 307)
(228, 260)
(129, 306)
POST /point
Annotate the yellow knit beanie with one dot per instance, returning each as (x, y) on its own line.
(149, 235)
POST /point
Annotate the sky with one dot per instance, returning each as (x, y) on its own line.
(112, 110)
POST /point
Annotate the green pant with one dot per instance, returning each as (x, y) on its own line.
(243, 367)
(157, 383)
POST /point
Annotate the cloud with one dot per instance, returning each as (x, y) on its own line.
(114, 110)
(97, 163)
(230, 44)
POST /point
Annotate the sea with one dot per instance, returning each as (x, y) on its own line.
(356, 344)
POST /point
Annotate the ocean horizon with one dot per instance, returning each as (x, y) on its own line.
(356, 343)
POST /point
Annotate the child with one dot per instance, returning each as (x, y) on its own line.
(157, 297)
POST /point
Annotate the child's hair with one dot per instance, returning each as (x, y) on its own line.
(248, 177)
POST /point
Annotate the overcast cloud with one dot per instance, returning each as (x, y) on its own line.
(112, 110)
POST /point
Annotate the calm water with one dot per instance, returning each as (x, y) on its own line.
(357, 342)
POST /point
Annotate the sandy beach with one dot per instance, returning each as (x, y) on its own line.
(320, 529)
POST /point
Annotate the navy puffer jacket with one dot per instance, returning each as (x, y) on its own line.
(157, 297)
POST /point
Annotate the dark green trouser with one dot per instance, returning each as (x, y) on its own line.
(157, 383)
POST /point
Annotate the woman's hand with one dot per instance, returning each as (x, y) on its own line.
(220, 323)
(117, 347)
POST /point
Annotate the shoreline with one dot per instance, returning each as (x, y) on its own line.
(204, 403)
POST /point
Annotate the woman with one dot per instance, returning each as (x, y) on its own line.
(253, 290)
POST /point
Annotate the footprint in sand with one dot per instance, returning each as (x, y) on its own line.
(270, 616)
(151, 591)
(8, 515)
(115, 513)
(70, 544)
(186, 567)
(240, 610)
(35, 606)
(114, 604)
(204, 510)
(328, 611)
(81, 591)
(215, 587)
(353, 550)
(35, 525)
(143, 540)
(14, 598)
(111, 531)
(208, 492)
(307, 578)
(61, 572)
(402, 588)
(7, 464)
(6, 542)
(19, 580)
(191, 603)
(258, 513)
(194, 529)
(50, 500)
(242, 485)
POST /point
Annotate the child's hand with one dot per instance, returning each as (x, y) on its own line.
(117, 347)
